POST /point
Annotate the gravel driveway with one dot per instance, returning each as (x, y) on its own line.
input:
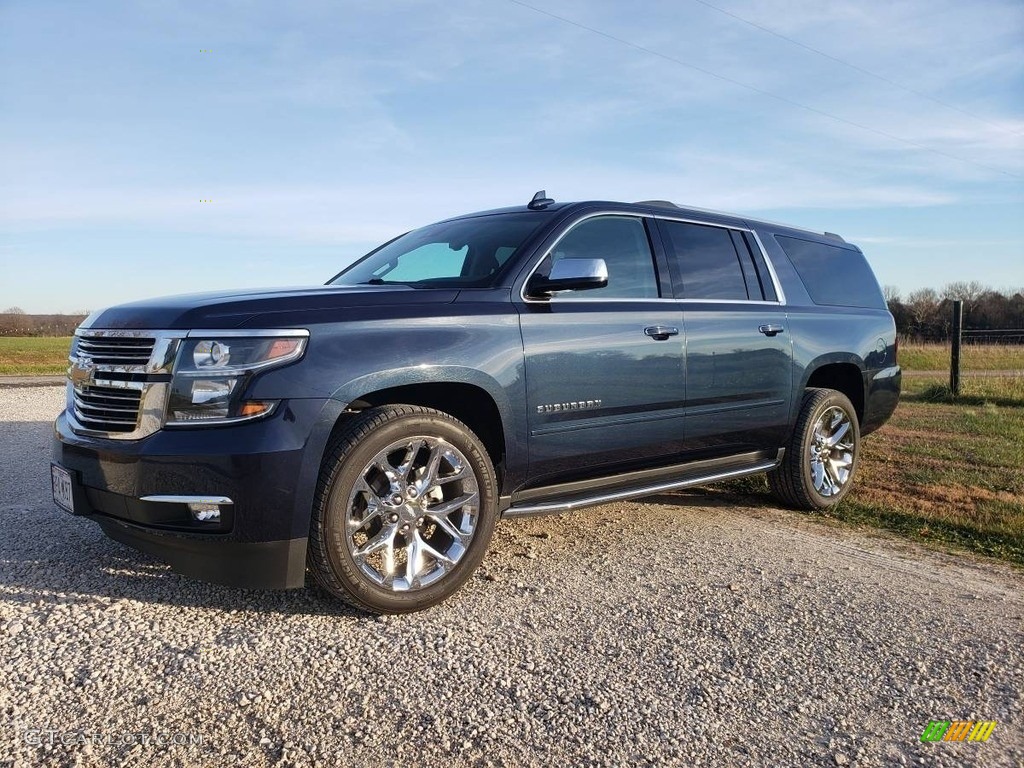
(691, 629)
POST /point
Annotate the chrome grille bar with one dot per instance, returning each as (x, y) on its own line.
(114, 350)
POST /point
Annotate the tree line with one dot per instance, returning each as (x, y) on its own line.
(927, 314)
(15, 322)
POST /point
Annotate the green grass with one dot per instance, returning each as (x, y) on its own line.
(977, 357)
(943, 470)
(948, 470)
(33, 355)
(1000, 535)
(974, 390)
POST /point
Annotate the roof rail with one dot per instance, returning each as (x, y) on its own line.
(657, 203)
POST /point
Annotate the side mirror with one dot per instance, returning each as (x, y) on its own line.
(570, 275)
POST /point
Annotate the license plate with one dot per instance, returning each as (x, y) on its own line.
(62, 493)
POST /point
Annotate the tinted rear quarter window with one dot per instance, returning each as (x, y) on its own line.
(832, 275)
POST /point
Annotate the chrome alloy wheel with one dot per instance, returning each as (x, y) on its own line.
(412, 513)
(831, 453)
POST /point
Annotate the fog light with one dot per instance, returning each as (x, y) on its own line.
(205, 513)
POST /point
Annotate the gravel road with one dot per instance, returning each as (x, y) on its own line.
(692, 629)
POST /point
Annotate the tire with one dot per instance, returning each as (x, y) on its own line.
(404, 509)
(821, 458)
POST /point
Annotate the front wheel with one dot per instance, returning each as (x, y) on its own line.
(404, 510)
(821, 458)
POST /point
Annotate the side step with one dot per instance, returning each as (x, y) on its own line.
(613, 489)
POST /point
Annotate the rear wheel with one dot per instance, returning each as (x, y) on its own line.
(404, 510)
(821, 459)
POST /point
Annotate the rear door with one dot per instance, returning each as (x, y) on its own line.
(604, 367)
(739, 376)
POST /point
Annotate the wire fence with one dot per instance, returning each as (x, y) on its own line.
(993, 336)
(998, 354)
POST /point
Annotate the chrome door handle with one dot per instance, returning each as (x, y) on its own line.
(660, 332)
(770, 329)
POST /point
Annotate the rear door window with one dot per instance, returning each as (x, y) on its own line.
(705, 261)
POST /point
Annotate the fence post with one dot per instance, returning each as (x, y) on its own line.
(954, 357)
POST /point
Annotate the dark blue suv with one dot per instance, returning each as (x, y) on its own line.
(513, 362)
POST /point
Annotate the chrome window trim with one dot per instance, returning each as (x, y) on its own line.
(771, 268)
(758, 302)
(683, 220)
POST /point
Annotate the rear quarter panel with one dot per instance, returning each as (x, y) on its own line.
(822, 335)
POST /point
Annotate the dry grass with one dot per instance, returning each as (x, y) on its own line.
(977, 357)
(975, 389)
(23, 355)
(943, 471)
(946, 472)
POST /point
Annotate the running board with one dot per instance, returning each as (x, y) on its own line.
(554, 507)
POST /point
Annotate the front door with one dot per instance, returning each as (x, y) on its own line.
(604, 367)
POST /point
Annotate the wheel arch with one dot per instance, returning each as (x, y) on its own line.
(470, 396)
(844, 374)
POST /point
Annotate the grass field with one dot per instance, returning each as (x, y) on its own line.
(942, 472)
(33, 355)
(952, 473)
(977, 386)
(977, 357)
(974, 389)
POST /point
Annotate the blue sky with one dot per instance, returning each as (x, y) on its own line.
(318, 129)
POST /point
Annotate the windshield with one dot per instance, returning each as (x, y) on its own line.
(452, 254)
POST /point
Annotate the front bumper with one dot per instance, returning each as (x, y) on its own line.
(267, 468)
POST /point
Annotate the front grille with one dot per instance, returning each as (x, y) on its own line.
(100, 361)
(108, 409)
(114, 350)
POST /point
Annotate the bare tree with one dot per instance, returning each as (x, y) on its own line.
(891, 293)
(923, 305)
(967, 292)
(14, 311)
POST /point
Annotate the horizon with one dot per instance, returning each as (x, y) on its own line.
(319, 130)
(902, 298)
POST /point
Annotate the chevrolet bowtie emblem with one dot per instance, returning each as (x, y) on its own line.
(80, 375)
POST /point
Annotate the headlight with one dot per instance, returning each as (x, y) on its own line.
(213, 371)
(211, 354)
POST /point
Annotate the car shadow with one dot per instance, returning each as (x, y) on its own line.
(47, 555)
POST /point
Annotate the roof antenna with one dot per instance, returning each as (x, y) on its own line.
(540, 201)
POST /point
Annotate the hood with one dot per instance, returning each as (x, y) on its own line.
(238, 309)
